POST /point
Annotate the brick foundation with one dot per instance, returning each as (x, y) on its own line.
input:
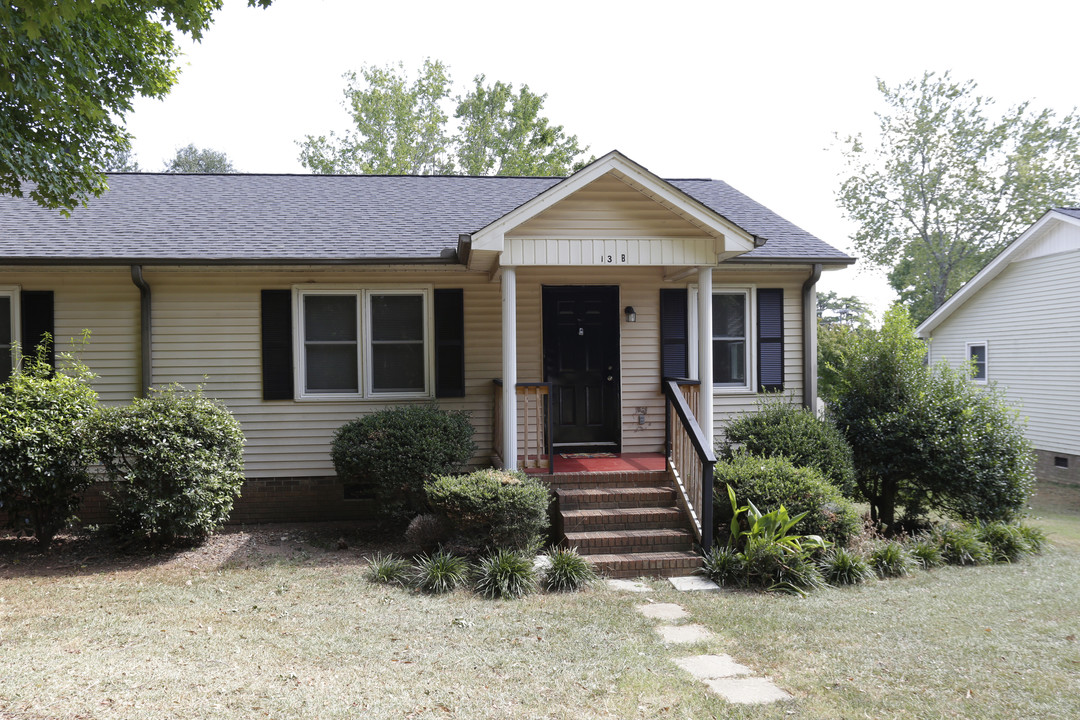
(1047, 470)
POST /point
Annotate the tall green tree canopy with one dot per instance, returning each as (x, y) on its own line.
(68, 74)
(835, 309)
(190, 159)
(950, 181)
(402, 127)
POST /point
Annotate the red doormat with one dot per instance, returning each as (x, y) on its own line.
(577, 456)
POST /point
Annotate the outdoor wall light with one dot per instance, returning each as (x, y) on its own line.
(631, 314)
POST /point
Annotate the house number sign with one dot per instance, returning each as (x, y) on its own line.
(614, 259)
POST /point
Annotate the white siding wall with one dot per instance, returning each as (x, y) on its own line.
(1029, 316)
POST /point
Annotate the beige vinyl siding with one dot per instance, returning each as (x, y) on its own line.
(106, 303)
(728, 403)
(1029, 317)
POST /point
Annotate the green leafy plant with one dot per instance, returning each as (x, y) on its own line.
(490, 509)
(780, 428)
(176, 462)
(927, 553)
(1035, 537)
(388, 570)
(845, 567)
(890, 559)
(725, 566)
(779, 568)
(440, 572)
(393, 452)
(46, 443)
(567, 571)
(505, 574)
(1006, 541)
(772, 527)
(769, 482)
(961, 546)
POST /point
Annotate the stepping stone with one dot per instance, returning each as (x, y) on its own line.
(694, 583)
(629, 586)
(683, 634)
(662, 611)
(747, 690)
(709, 667)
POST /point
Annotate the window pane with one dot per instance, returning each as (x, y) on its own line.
(397, 317)
(729, 361)
(330, 317)
(729, 316)
(5, 322)
(977, 354)
(332, 368)
(397, 367)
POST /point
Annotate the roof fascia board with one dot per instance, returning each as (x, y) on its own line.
(492, 236)
(990, 271)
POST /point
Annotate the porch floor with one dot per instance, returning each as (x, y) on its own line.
(604, 463)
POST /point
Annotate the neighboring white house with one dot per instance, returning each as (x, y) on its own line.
(1018, 322)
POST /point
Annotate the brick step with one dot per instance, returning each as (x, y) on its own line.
(629, 541)
(615, 497)
(640, 518)
(559, 481)
(650, 564)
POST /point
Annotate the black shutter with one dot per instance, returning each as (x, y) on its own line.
(770, 328)
(674, 345)
(277, 352)
(449, 342)
(36, 318)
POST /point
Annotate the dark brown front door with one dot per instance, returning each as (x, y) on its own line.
(581, 361)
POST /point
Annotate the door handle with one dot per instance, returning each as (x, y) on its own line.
(610, 378)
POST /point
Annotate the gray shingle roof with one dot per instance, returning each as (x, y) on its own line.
(148, 217)
(1071, 212)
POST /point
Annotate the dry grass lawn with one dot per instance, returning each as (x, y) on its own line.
(274, 622)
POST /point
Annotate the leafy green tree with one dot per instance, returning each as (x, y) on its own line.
(950, 182)
(123, 162)
(403, 128)
(833, 309)
(190, 159)
(70, 71)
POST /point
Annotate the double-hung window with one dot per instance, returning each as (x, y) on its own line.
(977, 359)
(8, 330)
(363, 342)
(730, 337)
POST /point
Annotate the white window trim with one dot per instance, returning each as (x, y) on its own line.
(363, 295)
(750, 291)
(12, 292)
(986, 361)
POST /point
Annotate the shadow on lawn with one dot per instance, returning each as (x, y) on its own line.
(83, 552)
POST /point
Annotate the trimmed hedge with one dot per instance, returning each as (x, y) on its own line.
(772, 482)
(779, 428)
(176, 460)
(394, 452)
(492, 509)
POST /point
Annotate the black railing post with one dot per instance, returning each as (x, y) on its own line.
(706, 505)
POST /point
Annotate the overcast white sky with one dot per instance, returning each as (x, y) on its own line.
(747, 92)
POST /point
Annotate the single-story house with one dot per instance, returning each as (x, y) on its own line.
(303, 301)
(1017, 323)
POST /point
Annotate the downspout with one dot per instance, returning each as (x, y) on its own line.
(145, 340)
(809, 345)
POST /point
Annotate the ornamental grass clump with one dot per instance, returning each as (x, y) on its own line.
(1035, 537)
(891, 559)
(1005, 540)
(505, 575)
(725, 566)
(440, 572)
(567, 571)
(926, 552)
(841, 566)
(388, 570)
(961, 546)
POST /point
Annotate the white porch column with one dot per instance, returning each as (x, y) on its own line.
(705, 346)
(509, 368)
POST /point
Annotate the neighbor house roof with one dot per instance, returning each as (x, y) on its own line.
(1012, 251)
(176, 218)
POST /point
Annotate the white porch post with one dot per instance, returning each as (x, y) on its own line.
(705, 346)
(509, 368)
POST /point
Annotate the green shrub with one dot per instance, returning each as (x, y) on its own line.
(844, 567)
(427, 532)
(46, 444)
(393, 452)
(961, 546)
(1036, 538)
(771, 482)
(387, 570)
(775, 567)
(176, 460)
(440, 572)
(725, 566)
(567, 571)
(505, 574)
(779, 428)
(891, 559)
(927, 553)
(492, 509)
(1006, 541)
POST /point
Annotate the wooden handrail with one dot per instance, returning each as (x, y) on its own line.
(698, 496)
(537, 437)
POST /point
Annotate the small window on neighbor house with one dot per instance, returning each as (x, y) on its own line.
(1061, 462)
(977, 358)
